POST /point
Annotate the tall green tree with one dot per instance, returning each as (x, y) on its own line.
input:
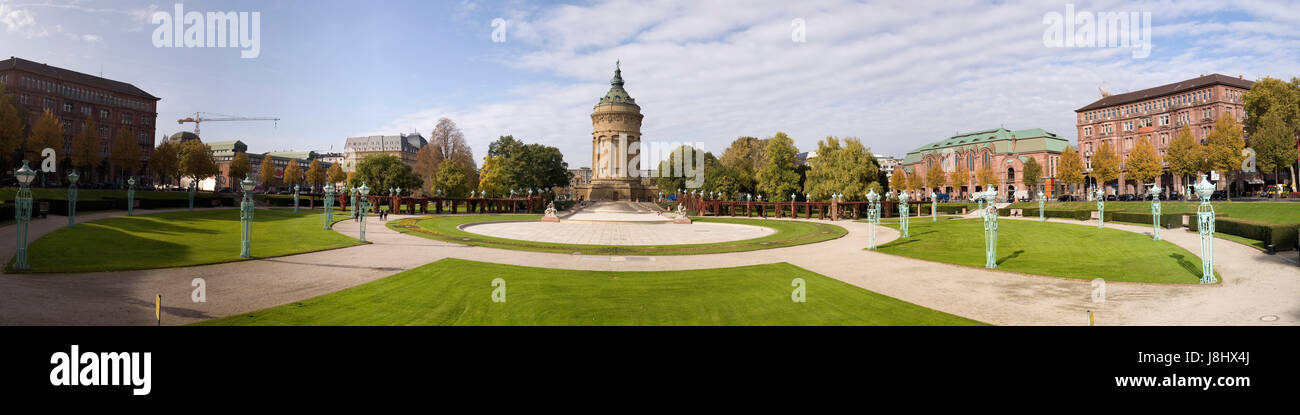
(446, 142)
(680, 170)
(744, 157)
(777, 178)
(1274, 145)
(844, 168)
(1272, 96)
(196, 161)
(11, 128)
(491, 178)
(451, 179)
(384, 171)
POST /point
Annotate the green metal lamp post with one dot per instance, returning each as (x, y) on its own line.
(329, 205)
(1154, 191)
(365, 205)
(72, 198)
(873, 218)
(1101, 207)
(23, 213)
(246, 218)
(1205, 224)
(902, 214)
(130, 196)
(990, 214)
(934, 207)
(1041, 204)
(295, 198)
(354, 203)
(190, 192)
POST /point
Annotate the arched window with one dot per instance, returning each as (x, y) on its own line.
(970, 161)
(1011, 174)
(987, 160)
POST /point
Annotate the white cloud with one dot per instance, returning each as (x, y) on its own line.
(16, 19)
(898, 75)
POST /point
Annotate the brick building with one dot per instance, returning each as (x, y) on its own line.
(73, 97)
(1157, 113)
(1002, 150)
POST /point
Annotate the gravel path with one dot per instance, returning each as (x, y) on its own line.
(1258, 287)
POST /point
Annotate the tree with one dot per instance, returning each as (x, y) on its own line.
(446, 142)
(777, 177)
(48, 133)
(1033, 174)
(1274, 145)
(491, 179)
(986, 176)
(1070, 169)
(898, 180)
(841, 168)
(336, 174)
(960, 176)
(1272, 96)
(315, 174)
(935, 178)
(1224, 145)
(165, 160)
(744, 157)
(11, 127)
(266, 172)
(672, 171)
(87, 151)
(384, 171)
(1144, 165)
(1105, 164)
(196, 161)
(239, 169)
(1186, 156)
(292, 173)
(124, 153)
(451, 179)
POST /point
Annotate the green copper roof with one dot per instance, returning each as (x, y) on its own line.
(998, 139)
(616, 94)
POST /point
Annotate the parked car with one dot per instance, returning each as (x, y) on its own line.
(1219, 195)
(1126, 198)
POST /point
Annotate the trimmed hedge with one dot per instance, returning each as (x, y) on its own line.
(1282, 236)
(1167, 220)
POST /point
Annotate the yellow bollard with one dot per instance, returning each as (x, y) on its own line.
(157, 309)
(1091, 320)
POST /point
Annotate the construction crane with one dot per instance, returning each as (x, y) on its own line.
(200, 117)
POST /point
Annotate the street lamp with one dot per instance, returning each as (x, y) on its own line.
(130, 196)
(190, 192)
(934, 206)
(295, 198)
(23, 212)
(1101, 207)
(365, 205)
(246, 218)
(329, 205)
(1154, 191)
(902, 214)
(354, 202)
(1205, 224)
(873, 218)
(1041, 203)
(72, 198)
(990, 214)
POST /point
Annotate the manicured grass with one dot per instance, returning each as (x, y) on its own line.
(788, 233)
(1275, 212)
(176, 239)
(1054, 249)
(459, 292)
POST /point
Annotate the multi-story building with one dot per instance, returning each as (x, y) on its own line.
(1004, 151)
(887, 164)
(404, 146)
(1157, 113)
(75, 97)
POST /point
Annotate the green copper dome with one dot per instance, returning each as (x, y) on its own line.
(616, 94)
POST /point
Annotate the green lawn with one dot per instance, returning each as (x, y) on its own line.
(176, 239)
(788, 233)
(459, 292)
(1054, 249)
(1275, 212)
(61, 193)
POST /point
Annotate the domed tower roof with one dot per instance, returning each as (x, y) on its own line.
(616, 94)
(183, 136)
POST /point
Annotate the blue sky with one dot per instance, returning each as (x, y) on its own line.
(895, 74)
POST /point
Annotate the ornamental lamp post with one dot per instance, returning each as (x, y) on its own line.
(902, 213)
(1154, 191)
(873, 218)
(295, 198)
(1205, 224)
(23, 213)
(1101, 207)
(130, 196)
(190, 192)
(990, 214)
(354, 202)
(365, 205)
(934, 206)
(72, 198)
(329, 205)
(1041, 202)
(246, 217)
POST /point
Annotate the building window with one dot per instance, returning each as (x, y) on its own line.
(103, 113)
(67, 107)
(986, 160)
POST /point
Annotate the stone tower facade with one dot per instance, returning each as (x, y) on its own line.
(615, 141)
